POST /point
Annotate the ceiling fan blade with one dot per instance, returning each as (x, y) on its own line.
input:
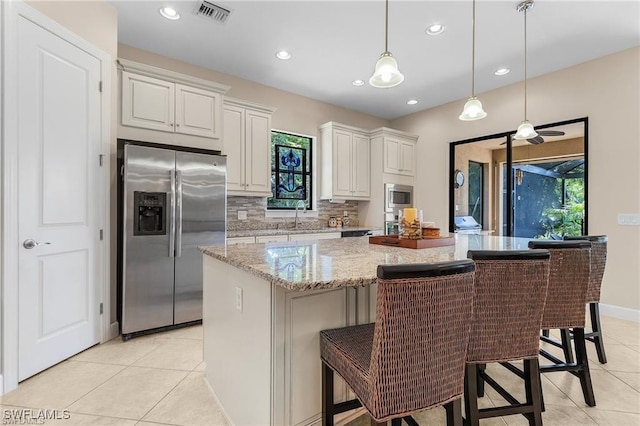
(536, 141)
(550, 132)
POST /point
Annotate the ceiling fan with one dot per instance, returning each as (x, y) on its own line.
(539, 139)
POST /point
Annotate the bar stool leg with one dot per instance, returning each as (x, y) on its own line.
(565, 334)
(396, 422)
(596, 327)
(533, 390)
(582, 361)
(481, 368)
(471, 413)
(327, 395)
(454, 412)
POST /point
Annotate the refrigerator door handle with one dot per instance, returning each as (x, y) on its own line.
(172, 216)
(178, 215)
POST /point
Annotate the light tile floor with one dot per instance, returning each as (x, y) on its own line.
(159, 380)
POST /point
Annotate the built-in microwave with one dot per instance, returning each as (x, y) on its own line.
(397, 197)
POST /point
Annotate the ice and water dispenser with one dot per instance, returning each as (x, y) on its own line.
(150, 209)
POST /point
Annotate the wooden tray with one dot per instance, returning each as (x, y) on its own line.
(394, 241)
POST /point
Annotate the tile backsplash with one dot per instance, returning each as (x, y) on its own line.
(257, 206)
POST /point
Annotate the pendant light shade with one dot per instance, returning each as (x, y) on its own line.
(386, 73)
(473, 108)
(525, 130)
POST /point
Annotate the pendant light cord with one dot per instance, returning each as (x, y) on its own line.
(473, 51)
(525, 61)
(386, 27)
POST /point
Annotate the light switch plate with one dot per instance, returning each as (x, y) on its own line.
(629, 219)
(239, 299)
(242, 215)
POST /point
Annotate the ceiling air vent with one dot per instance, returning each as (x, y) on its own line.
(213, 11)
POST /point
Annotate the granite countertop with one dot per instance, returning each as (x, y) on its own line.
(287, 231)
(310, 265)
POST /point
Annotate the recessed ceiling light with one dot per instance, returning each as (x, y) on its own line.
(502, 71)
(358, 82)
(435, 29)
(170, 13)
(283, 54)
(412, 101)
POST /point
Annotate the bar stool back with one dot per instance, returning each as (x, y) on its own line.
(564, 309)
(598, 263)
(508, 302)
(412, 358)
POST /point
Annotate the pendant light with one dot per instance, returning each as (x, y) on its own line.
(525, 130)
(386, 73)
(473, 108)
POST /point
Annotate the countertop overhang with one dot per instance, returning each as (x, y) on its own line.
(345, 262)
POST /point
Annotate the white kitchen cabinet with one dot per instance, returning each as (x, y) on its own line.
(316, 236)
(159, 104)
(240, 240)
(271, 238)
(247, 145)
(399, 156)
(398, 150)
(345, 162)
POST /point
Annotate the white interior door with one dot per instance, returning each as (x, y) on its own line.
(58, 176)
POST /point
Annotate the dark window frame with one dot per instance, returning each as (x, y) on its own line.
(275, 169)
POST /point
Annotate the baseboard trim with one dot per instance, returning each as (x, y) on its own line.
(620, 312)
(114, 330)
(215, 397)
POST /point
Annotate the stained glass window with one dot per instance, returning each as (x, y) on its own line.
(290, 171)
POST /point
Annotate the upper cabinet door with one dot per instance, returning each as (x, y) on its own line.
(407, 158)
(147, 102)
(342, 163)
(392, 159)
(258, 151)
(198, 112)
(361, 166)
(233, 146)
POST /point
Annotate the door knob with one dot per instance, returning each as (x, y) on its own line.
(29, 244)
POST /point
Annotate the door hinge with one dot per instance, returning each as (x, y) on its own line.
(101, 235)
(100, 87)
(101, 308)
(101, 159)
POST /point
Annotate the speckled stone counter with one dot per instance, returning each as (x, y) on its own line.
(343, 262)
(289, 231)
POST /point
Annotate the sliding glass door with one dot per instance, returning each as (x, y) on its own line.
(532, 188)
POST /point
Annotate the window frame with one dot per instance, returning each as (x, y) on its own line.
(273, 212)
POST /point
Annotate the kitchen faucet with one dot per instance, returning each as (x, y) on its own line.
(304, 208)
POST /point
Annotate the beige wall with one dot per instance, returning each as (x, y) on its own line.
(607, 90)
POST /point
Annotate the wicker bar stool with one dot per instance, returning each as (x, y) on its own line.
(598, 263)
(412, 358)
(509, 297)
(564, 308)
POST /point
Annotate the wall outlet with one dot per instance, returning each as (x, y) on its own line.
(239, 299)
(242, 215)
(629, 219)
(345, 214)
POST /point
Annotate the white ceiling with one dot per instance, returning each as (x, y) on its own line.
(335, 42)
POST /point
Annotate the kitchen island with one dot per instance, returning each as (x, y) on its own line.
(264, 305)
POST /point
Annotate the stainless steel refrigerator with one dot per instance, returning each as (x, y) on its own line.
(172, 202)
